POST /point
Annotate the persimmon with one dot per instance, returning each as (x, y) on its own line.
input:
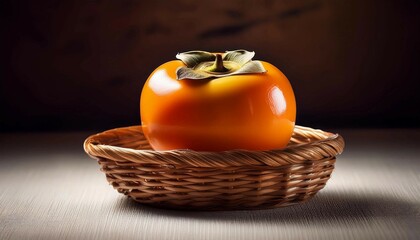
(215, 102)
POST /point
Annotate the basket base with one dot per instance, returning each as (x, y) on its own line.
(221, 206)
(206, 189)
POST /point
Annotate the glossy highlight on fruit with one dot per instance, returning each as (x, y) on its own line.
(253, 111)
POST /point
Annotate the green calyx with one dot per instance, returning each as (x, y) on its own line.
(203, 65)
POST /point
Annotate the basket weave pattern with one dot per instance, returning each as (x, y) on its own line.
(237, 179)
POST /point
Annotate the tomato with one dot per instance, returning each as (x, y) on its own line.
(254, 111)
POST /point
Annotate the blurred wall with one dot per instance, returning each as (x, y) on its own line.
(81, 64)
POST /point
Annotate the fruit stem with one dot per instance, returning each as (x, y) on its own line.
(217, 65)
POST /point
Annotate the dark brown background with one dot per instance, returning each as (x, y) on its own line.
(70, 65)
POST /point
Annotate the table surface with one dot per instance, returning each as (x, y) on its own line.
(49, 189)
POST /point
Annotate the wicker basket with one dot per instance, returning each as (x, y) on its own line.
(237, 179)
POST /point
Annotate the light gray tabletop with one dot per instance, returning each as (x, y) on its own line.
(49, 189)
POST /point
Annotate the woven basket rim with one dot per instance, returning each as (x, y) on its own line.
(307, 145)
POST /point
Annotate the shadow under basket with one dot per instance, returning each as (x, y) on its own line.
(229, 180)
